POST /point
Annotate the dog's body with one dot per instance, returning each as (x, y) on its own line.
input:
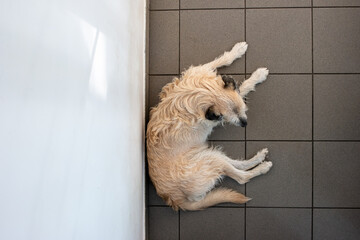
(183, 168)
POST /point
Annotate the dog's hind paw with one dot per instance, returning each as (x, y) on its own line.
(264, 167)
(239, 49)
(263, 153)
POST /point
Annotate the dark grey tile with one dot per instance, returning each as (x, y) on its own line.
(163, 224)
(278, 3)
(280, 109)
(336, 107)
(336, 2)
(153, 198)
(283, 48)
(156, 83)
(234, 150)
(212, 224)
(212, 4)
(164, 4)
(272, 223)
(206, 34)
(335, 224)
(229, 132)
(336, 40)
(164, 42)
(336, 174)
(288, 183)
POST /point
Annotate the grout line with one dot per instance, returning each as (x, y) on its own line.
(251, 8)
(312, 120)
(267, 140)
(179, 72)
(179, 218)
(336, 140)
(276, 207)
(245, 130)
(179, 223)
(243, 74)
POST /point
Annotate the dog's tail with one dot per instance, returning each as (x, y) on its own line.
(216, 196)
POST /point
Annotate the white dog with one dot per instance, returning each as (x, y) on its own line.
(182, 166)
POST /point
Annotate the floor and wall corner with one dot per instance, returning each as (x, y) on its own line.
(307, 113)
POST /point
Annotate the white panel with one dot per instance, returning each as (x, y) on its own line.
(71, 119)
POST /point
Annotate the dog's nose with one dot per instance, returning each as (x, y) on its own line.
(243, 122)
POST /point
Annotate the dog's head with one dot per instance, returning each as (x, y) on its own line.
(228, 105)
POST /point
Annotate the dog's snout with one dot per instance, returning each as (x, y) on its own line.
(243, 122)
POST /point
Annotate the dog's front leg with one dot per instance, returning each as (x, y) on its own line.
(228, 57)
(252, 162)
(256, 77)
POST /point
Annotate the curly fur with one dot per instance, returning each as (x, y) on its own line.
(183, 168)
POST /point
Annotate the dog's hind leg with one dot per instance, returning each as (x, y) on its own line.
(248, 164)
(256, 77)
(228, 57)
(242, 176)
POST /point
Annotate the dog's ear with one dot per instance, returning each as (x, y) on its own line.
(211, 115)
(229, 82)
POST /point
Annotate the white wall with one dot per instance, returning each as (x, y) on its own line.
(71, 119)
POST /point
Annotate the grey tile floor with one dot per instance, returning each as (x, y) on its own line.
(307, 113)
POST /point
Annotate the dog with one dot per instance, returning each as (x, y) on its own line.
(182, 166)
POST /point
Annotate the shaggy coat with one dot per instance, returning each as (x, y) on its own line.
(182, 166)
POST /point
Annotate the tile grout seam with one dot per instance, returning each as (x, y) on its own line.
(245, 212)
(274, 207)
(251, 8)
(179, 73)
(245, 73)
(312, 120)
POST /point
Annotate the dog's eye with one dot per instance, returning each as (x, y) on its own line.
(211, 115)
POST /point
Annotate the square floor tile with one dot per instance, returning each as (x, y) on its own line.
(156, 83)
(206, 34)
(164, 42)
(164, 4)
(228, 131)
(212, 224)
(236, 151)
(280, 109)
(212, 4)
(279, 39)
(337, 107)
(288, 183)
(336, 40)
(335, 224)
(278, 3)
(163, 224)
(336, 174)
(276, 223)
(336, 3)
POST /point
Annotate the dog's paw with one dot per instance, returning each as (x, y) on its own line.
(263, 153)
(239, 49)
(260, 74)
(264, 167)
